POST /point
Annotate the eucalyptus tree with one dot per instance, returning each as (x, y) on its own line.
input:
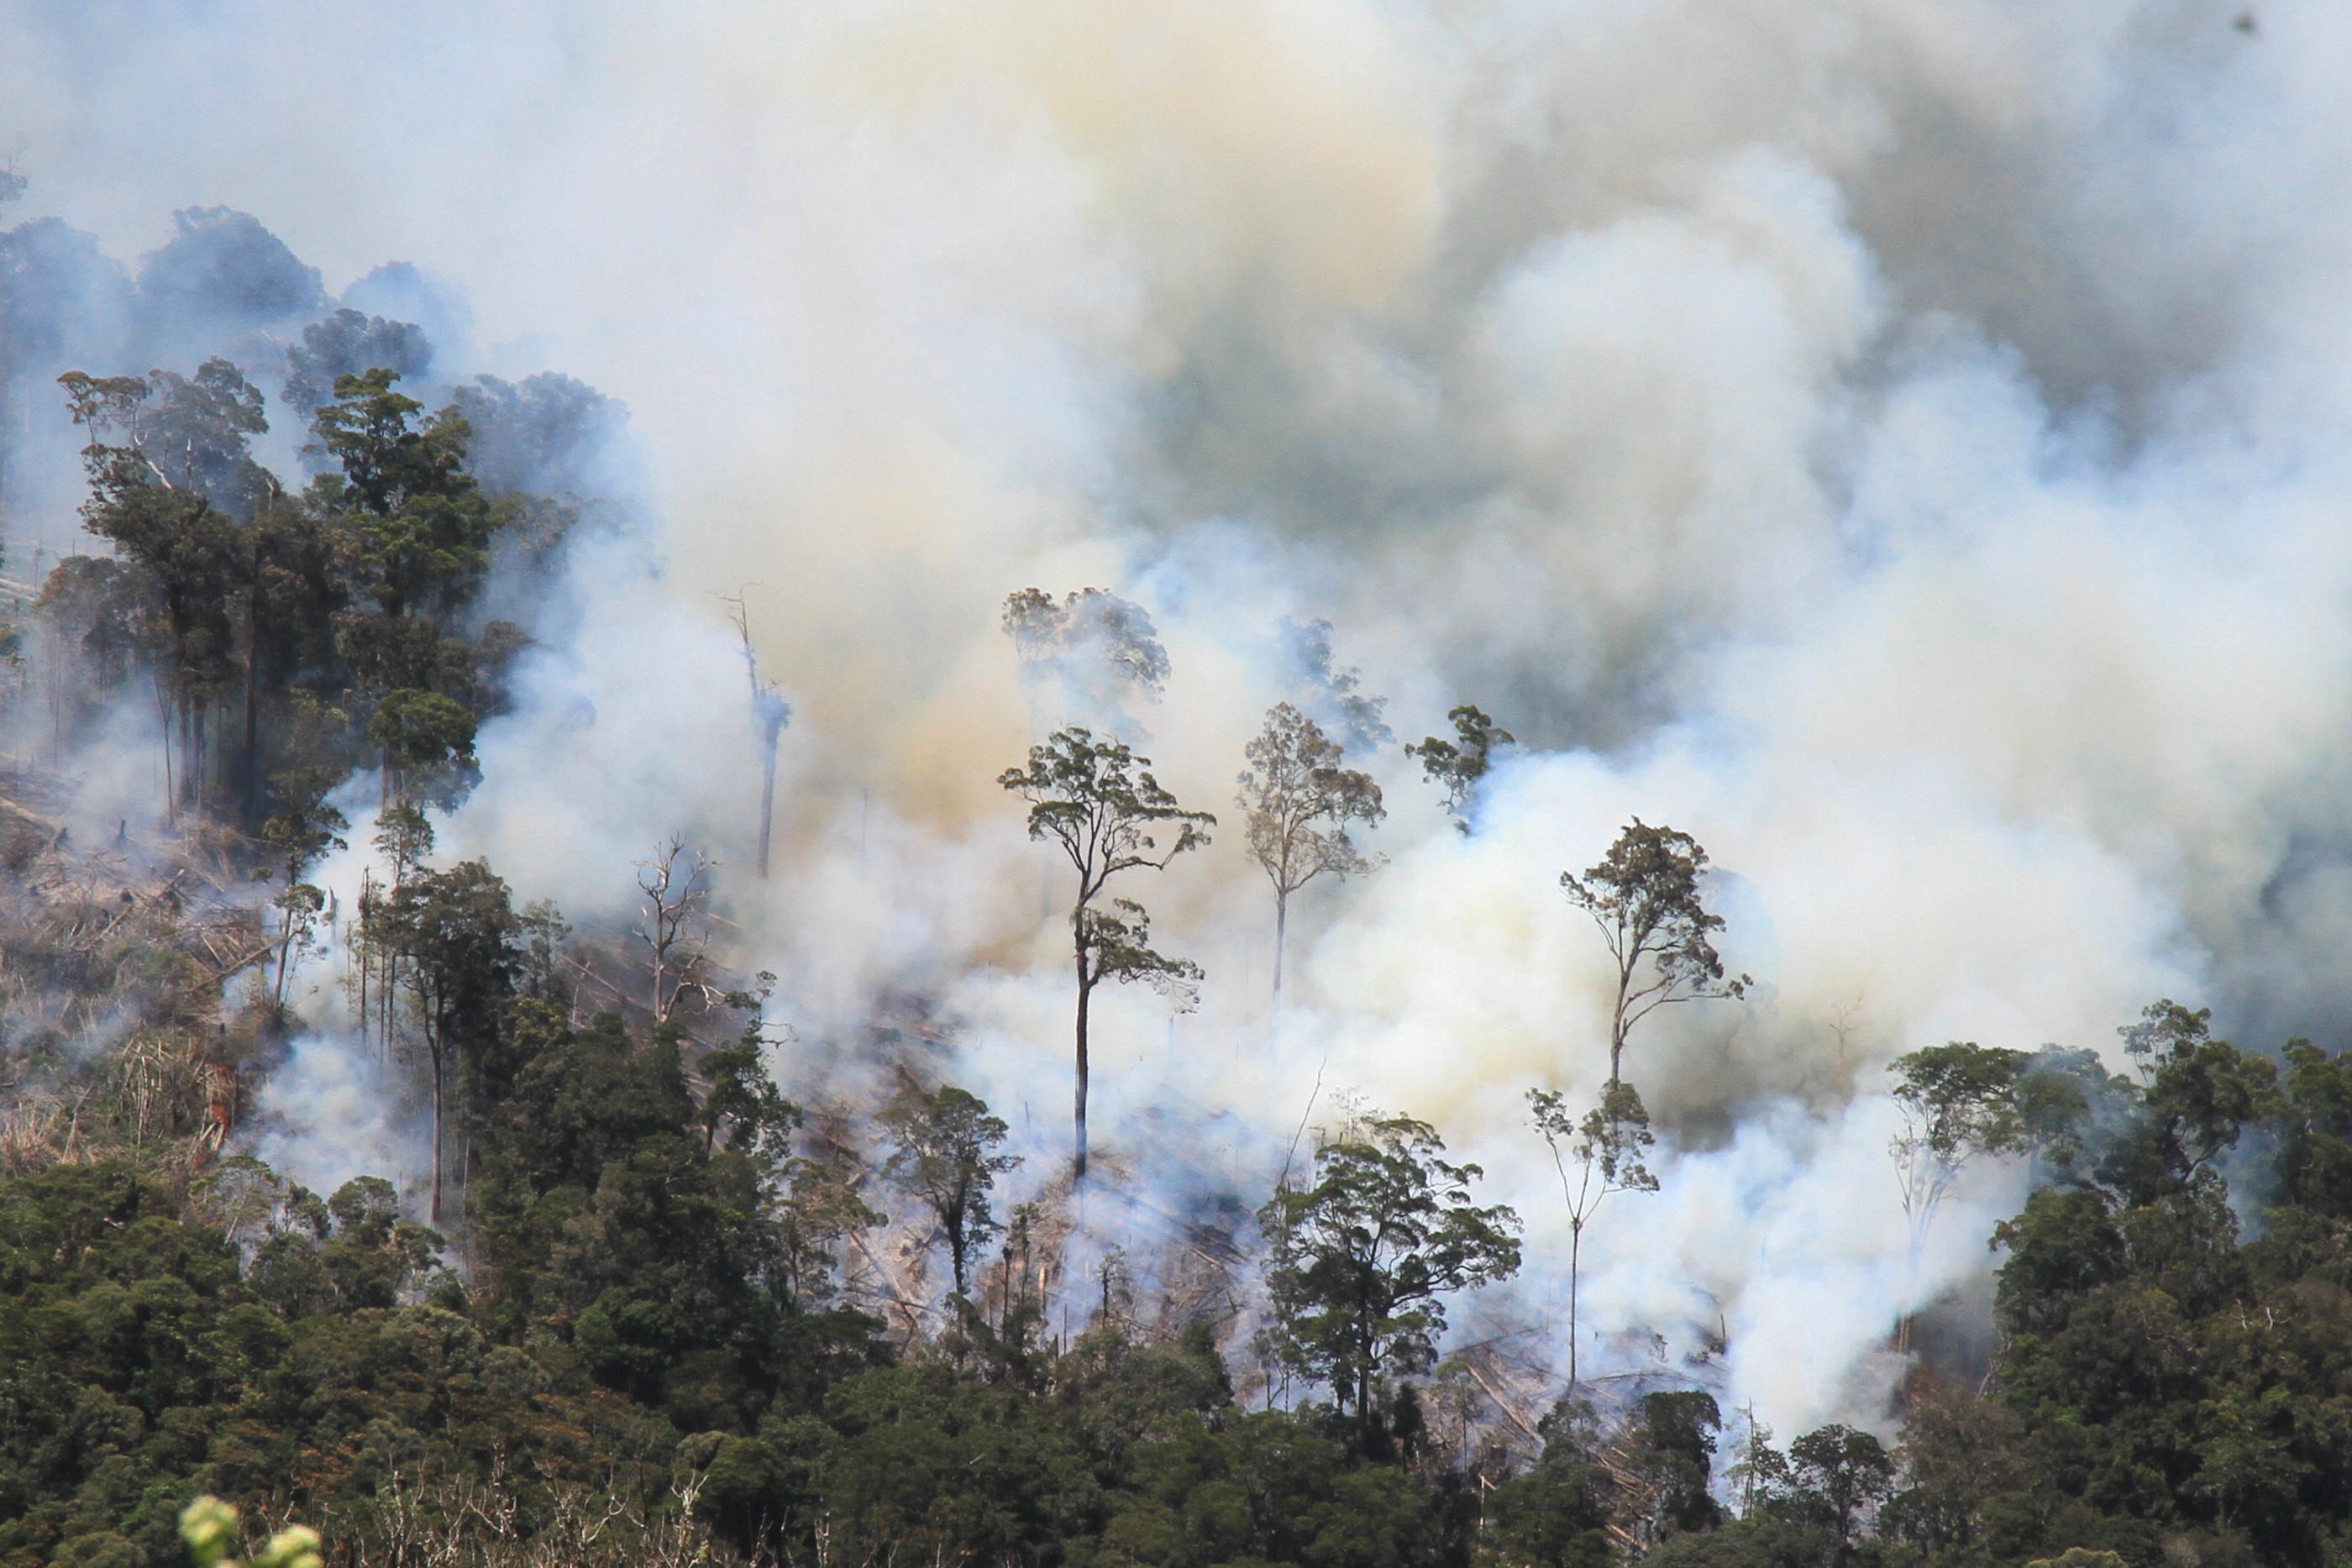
(1607, 1146)
(1359, 1260)
(1957, 1101)
(456, 934)
(1098, 802)
(420, 524)
(302, 832)
(1458, 765)
(1297, 802)
(943, 1147)
(169, 482)
(425, 741)
(1646, 897)
(1098, 645)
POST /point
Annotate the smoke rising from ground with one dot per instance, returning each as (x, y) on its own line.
(1899, 444)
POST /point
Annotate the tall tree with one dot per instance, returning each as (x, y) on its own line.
(162, 492)
(1646, 898)
(1099, 802)
(1358, 1262)
(1608, 1145)
(423, 526)
(455, 931)
(307, 829)
(1459, 764)
(742, 1099)
(943, 1144)
(1298, 802)
(2199, 1096)
(1958, 1102)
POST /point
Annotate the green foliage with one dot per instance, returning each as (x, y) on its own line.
(610, 1221)
(243, 600)
(1608, 1145)
(1962, 1097)
(419, 521)
(1458, 765)
(1359, 1260)
(2200, 1094)
(427, 744)
(744, 1102)
(1099, 802)
(1118, 946)
(1647, 899)
(209, 1527)
(942, 1142)
(1298, 802)
(1559, 1512)
(2165, 1391)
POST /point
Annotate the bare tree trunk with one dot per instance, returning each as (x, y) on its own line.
(768, 802)
(1085, 988)
(1281, 930)
(285, 947)
(1617, 1037)
(1902, 1324)
(361, 944)
(1575, 1251)
(253, 705)
(191, 778)
(436, 1045)
(165, 711)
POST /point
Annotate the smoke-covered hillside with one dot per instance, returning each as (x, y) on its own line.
(626, 629)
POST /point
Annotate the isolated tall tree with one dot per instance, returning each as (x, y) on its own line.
(1099, 802)
(1607, 1146)
(1958, 1100)
(1358, 1262)
(1298, 802)
(944, 1144)
(1646, 898)
(1458, 765)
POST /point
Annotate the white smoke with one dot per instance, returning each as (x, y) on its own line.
(1899, 442)
(332, 1111)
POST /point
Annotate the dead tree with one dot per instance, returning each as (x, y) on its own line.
(676, 891)
(769, 714)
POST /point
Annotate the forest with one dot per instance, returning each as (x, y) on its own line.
(649, 1308)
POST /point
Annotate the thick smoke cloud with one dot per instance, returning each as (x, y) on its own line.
(1898, 442)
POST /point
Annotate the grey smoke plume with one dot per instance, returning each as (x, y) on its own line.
(1900, 443)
